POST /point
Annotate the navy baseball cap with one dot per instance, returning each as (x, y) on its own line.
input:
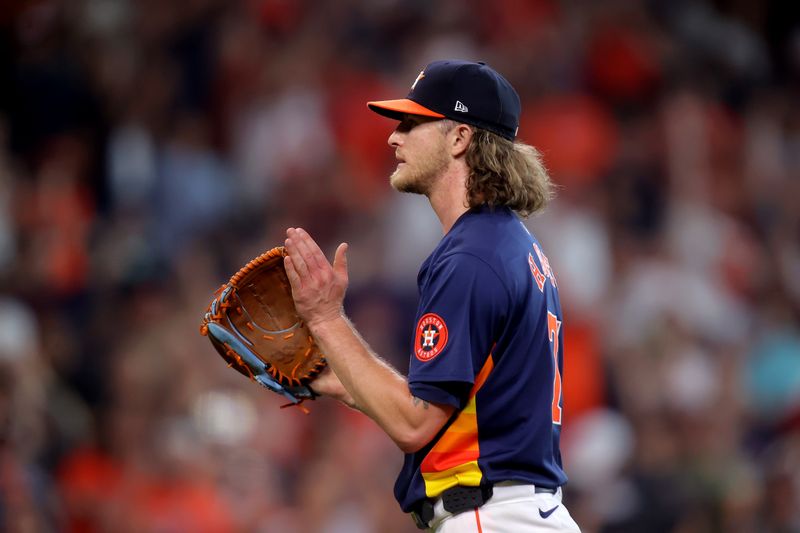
(464, 91)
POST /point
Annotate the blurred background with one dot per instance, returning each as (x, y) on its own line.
(148, 148)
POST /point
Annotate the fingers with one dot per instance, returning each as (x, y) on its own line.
(289, 243)
(292, 243)
(308, 248)
(291, 272)
(304, 249)
(340, 261)
(298, 262)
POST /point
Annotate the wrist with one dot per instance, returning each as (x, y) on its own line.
(320, 326)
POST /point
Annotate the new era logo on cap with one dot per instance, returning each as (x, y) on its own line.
(441, 89)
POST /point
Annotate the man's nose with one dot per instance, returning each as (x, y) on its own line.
(394, 139)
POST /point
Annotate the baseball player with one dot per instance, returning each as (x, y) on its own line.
(479, 415)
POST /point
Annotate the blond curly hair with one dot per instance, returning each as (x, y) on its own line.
(504, 172)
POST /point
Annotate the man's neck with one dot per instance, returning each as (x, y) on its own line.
(449, 196)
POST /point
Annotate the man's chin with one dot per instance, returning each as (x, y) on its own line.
(404, 181)
(399, 181)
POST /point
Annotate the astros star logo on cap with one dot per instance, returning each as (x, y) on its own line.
(421, 75)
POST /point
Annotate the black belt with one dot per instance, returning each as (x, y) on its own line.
(458, 499)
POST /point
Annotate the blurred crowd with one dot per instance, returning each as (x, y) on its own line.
(148, 148)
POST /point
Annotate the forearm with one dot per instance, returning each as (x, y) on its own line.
(375, 388)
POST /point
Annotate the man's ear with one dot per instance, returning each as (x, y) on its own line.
(459, 138)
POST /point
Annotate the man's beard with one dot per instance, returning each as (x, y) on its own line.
(419, 178)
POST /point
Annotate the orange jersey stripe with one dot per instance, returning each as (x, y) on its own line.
(438, 462)
(480, 379)
(465, 423)
(457, 440)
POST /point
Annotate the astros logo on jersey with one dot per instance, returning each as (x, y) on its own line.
(430, 337)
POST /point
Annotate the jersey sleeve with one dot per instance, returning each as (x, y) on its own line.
(462, 307)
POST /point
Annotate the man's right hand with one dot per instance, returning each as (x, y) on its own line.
(317, 286)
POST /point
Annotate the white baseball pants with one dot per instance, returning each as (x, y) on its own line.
(513, 508)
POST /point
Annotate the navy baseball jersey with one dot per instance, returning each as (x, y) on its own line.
(488, 340)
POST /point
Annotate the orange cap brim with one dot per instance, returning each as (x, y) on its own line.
(397, 108)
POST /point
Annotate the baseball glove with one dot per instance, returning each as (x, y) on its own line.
(253, 324)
